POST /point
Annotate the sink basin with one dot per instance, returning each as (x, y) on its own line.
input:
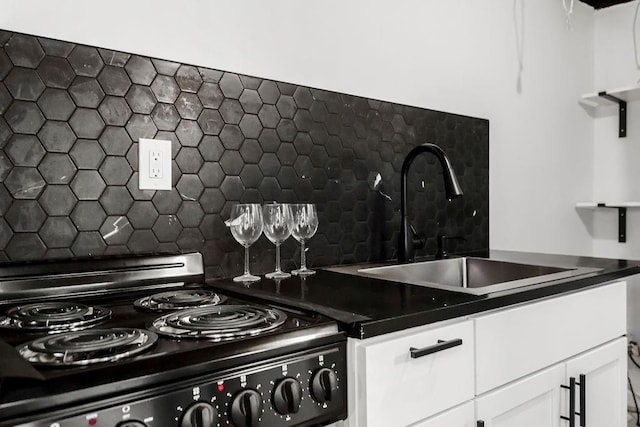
(472, 275)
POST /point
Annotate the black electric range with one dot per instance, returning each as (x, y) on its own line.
(141, 341)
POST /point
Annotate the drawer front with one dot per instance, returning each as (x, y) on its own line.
(400, 389)
(514, 342)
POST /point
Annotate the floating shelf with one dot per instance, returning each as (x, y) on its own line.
(593, 205)
(627, 94)
(622, 213)
(611, 97)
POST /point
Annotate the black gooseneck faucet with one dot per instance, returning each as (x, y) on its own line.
(451, 187)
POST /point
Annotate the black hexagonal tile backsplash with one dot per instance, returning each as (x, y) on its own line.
(71, 117)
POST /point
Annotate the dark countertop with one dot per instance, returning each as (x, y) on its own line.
(366, 307)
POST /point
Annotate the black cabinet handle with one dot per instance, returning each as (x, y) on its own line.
(441, 345)
(572, 402)
(583, 400)
(480, 423)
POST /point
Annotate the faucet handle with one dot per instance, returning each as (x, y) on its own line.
(419, 242)
(442, 245)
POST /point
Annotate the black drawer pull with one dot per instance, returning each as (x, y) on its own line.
(442, 345)
(583, 400)
(572, 401)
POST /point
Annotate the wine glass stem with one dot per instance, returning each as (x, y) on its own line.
(303, 257)
(277, 258)
(246, 260)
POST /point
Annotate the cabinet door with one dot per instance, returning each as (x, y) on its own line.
(460, 416)
(394, 388)
(605, 388)
(530, 402)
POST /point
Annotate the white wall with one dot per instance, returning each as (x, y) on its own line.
(616, 160)
(457, 55)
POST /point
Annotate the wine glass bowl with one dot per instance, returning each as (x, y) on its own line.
(305, 225)
(277, 228)
(246, 225)
(245, 229)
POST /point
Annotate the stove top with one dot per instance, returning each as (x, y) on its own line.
(117, 338)
(65, 331)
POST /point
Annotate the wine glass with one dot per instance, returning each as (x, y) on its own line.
(277, 228)
(305, 224)
(246, 226)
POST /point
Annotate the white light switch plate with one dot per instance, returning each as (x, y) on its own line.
(154, 164)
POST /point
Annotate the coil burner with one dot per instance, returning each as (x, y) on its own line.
(219, 323)
(179, 300)
(53, 317)
(87, 346)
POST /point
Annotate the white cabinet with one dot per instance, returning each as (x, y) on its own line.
(392, 388)
(530, 402)
(542, 399)
(513, 342)
(575, 334)
(605, 384)
(507, 370)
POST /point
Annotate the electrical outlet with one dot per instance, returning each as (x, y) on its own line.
(155, 164)
(154, 161)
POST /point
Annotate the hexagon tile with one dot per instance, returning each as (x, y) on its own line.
(71, 117)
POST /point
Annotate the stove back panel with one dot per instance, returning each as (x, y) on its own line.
(20, 282)
(71, 116)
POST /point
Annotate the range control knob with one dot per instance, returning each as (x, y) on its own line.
(131, 423)
(324, 384)
(246, 407)
(287, 396)
(200, 414)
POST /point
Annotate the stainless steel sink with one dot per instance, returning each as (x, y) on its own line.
(477, 276)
